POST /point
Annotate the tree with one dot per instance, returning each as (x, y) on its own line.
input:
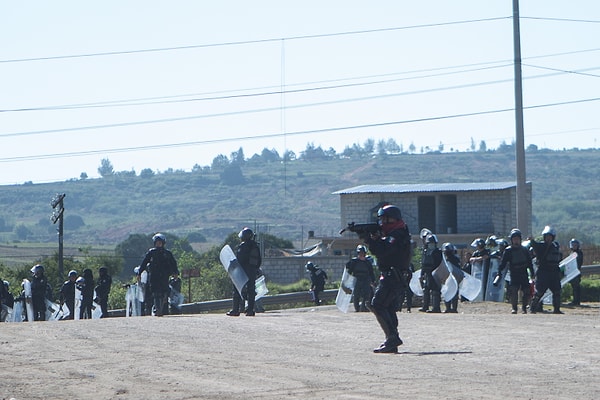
(232, 175)
(22, 231)
(472, 144)
(289, 155)
(73, 222)
(412, 148)
(106, 168)
(269, 155)
(369, 147)
(237, 157)
(219, 162)
(83, 176)
(146, 173)
(482, 146)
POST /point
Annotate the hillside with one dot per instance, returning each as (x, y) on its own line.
(287, 199)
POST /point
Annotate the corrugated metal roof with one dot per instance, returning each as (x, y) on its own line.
(428, 187)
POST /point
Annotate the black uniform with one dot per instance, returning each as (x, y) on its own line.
(102, 291)
(576, 282)
(39, 286)
(318, 277)
(175, 285)
(248, 255)
(519, 263)
(452, 305)
(431, 258)
(362, 270)
(393, 253)
(160, 265)
(67, 296)
(87, 295)
(548, 256)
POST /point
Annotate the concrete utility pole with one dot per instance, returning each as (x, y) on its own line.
(57, 216)
(522, 214)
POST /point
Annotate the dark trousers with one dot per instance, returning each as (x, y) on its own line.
(385, 303)
(249, 293)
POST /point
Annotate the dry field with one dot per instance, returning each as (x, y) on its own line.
(483, 352)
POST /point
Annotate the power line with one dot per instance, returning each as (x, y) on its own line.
(562, 19)
(176, 98)
(245, 42)
(267, 109)
(277, 135)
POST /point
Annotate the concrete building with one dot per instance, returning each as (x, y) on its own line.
(456, 212)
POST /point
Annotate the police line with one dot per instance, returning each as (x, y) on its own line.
(286, 298)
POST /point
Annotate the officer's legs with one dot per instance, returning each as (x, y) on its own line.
(513, 295)
(236, 301)
(541, 285)
(384, 305)
(576, 285)
(251, 293)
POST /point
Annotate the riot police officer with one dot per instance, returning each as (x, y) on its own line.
(39, 289)
(516, 257)
(392, 247)
(431, 258)
(361, 268)
(249, 257)
(160, 264)
(575, 246)
(450, 253)
(548, 256)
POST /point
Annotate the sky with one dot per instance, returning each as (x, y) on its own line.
(170, 85)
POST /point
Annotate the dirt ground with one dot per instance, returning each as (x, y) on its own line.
(483, 352)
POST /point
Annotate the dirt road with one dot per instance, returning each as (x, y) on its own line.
(483, 352)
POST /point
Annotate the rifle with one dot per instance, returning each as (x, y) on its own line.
(362, 230)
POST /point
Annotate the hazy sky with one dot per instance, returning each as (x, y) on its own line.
(160, 85)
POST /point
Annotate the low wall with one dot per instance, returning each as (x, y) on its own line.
(286, 270)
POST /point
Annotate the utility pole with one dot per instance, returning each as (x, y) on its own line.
(522, 214)
(57, 216)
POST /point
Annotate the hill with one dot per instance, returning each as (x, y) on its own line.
(287, 199)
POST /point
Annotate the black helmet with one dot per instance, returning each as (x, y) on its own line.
(548, 230)
(390, 211)
(161, 237)
(515, 232)
(246, 234)
(478, 242)
(73, 273)
(491, 241)
(38, 268)
(424, 233)
(103, 271)
(360, 248)
(448, 248)
(432, 238)
(574, 242)
(310, 266)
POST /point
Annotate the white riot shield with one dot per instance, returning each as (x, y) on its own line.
(261, 287)
(96, 311)
(52, 311)
(78, 299)
(477, 273)
(28, 300)
(494, 293)
(569, 267)
(415, 284)
(233, 268)
(17, 312)
(470, 287)
(446, 280)
(344, 295)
